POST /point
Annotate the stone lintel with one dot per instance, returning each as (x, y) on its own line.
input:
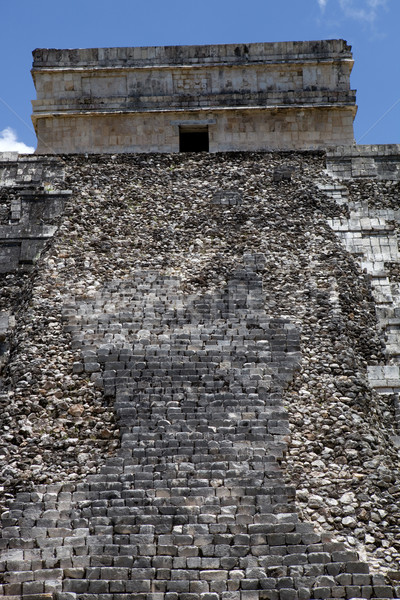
(271, 109)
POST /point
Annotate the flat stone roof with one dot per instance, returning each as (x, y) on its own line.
(174, 55)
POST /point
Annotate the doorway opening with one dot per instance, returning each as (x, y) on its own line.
(193, 138)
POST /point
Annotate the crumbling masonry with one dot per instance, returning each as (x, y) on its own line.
(199, 362)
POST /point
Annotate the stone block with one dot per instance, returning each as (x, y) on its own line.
(383, 591)
(32, 587)
(79, 586)
(44, 574)
(269, 595)
(98, 587)
(319, 557)
(178, 586)
(357, 567)
(289, 594)
(322, 592)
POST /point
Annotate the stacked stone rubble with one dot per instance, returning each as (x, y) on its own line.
(29, 212)
(194, 504)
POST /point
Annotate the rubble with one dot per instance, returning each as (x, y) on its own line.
(167, 213)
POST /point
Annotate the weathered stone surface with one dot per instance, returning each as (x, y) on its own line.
(29, 208)
(378, 161)
(136, 275)
(287, 95)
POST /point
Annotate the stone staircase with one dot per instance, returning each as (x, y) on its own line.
(194, 505)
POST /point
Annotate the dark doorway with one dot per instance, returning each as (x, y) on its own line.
(193, 139)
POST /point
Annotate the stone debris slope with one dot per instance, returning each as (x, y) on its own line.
(154, 254)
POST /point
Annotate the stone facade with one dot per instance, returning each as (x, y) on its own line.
(238, 97)
(376, 161)
(29, 208)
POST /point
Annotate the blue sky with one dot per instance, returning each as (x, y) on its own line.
(370, 26)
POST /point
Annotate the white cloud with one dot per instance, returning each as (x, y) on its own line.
(322, 4)
(9, 142)
(362, 10)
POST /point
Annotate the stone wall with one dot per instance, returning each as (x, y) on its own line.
(368, 161)
(29, 208)
(28, 170)
(370, 232)
(253, 97)
(243, 129)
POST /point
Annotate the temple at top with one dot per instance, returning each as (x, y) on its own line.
(231, 97)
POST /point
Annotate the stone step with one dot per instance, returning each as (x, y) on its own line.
(354, 225)
(240, 589)
(283, 594)
(22, 596)
(333, 187)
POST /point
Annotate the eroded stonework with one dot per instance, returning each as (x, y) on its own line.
(288, 95)
(173, 292)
